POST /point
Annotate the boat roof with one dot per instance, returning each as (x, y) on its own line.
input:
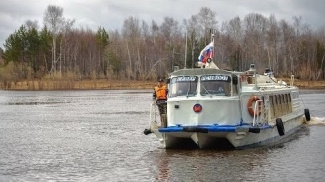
(200, 71)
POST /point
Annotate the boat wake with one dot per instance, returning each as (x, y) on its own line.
(316, 121)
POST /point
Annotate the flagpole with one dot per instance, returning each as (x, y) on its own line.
(212, 40)
(213, 47)
(185, 49)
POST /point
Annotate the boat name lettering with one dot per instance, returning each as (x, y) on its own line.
(214, 77)
(186, 79)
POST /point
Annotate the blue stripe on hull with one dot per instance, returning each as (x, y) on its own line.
(210, 128)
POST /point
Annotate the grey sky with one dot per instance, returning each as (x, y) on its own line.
(110, 14)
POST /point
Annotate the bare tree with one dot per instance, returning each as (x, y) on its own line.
(152, 50)
(320, 53)
(171, 31)
(65, 45)
(207, 21)
(255, 26)
(131, 33)
(54, 20)
(155, 45)
(235, 30)
(193, 32)
(31, 24)
(145, 41)
(272, 43)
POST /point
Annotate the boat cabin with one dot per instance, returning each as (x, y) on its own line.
(201, 82)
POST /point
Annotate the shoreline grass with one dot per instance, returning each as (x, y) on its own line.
(100, 84)
(104, 84)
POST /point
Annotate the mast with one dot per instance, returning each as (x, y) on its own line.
(212, 40)
(185, 49)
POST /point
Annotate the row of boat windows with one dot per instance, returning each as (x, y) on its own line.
(218, 85)
(280, 105)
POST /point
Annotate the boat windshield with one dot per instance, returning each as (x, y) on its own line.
(219, 85)
(183, 86)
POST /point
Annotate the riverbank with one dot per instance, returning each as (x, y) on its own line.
(307, 84)
(104, 84)
(100, 84)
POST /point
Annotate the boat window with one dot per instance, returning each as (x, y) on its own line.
(183, 86)
(215, 85)
(272, 110)
(286, 106)
(283, 99)
(289, 97)
(234, 89)
(279, 99)
(275, 100)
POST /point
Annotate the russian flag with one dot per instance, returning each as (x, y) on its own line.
(206, 53)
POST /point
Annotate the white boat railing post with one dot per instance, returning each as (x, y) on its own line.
(257, 110)
(154, 106)
(254, 113)
(292, 80)
(153, 118)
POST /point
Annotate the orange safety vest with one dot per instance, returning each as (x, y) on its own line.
(161, 93)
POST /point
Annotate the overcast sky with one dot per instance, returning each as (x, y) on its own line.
(110, 14)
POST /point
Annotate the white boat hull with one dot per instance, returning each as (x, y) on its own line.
(241, 138)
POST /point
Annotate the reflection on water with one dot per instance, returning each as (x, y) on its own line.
(258, 164)
(33, 103)
(97, 136)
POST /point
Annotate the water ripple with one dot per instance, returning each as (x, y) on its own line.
(97, 136)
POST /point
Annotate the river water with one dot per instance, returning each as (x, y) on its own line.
(98, 136)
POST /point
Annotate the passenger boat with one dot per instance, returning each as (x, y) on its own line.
(208, 106)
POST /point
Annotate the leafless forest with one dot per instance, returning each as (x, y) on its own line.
(145, 50)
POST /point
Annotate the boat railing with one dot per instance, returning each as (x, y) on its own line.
(259, 112)
(153, 115)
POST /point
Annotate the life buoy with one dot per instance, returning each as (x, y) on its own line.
(251, 104)
(280, 127)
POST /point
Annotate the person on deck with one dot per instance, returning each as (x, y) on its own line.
(160, 97)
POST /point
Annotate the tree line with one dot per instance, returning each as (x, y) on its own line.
(146, 50)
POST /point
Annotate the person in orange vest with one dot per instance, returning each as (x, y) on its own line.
(160, 96)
